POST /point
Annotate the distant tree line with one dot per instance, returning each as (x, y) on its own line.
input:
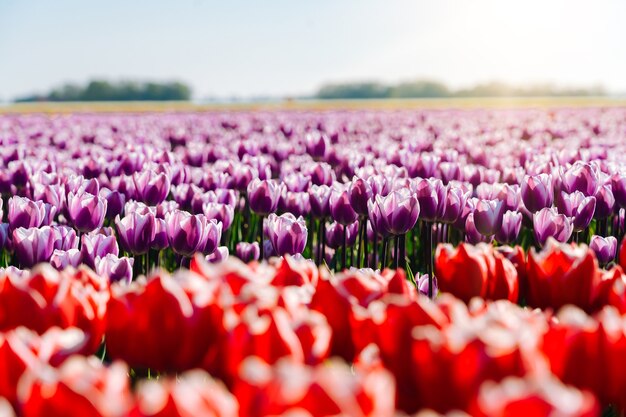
(101, 90)
(435, 89)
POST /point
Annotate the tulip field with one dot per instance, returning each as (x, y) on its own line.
(314, 263)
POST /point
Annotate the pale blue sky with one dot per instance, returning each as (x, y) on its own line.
(276, 47)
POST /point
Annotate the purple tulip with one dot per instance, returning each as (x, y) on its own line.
(223, 213)
(426, 193)
(335, 231)
(618, 186)
(547, 222)
(116, 269)
(53, 194)
(160, 235)
(187, 233)
(509, 194)
(400, 210)
(423, 285)
(472, 235)
(62, 259)
(164, 208)
(34, 245)
(95, 245)
(66, 238)
(248, 252)
(584, 213)
(360, 192)
(580, 177)
(605, 248)
(287, 233)
(340, 208)
(133, 206)
(86, 210)
(115, 202)
(322, 173)
(488, 216)
(537, 192)
(454, 202)
(26, 213)
(297, 182)
(136, 232)
(605, 202)
(220, 254)
(263, 196)
(316, 144)
(242, 175)
(151, 187)
(511, 226)
(319, 196)
(214, 235)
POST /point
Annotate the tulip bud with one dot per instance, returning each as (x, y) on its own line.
(547, 222)
(248, 252)
(536, 191)
(151, 187)
(605, 248)
(287, 233)
(115, 269)
(340, 208)
(263, 196)
(136, 231)
(488, 216)
(511, 226)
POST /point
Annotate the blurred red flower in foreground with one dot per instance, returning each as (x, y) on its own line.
(475, 271)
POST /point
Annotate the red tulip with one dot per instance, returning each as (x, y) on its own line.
(190, 394)
(475, 271)
(65, 299)
(166, 324)
(81, 387)
(540, 397)
(565, 274)
(330, 389)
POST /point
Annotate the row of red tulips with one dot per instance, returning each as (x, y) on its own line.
(269, 333)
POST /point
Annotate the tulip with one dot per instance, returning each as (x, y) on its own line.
(116, 269)
(222, 213)
(297, 182)
(247, 252)
(160, 235)
(115, 202)
(549, 223)
(26, 213)
(584, 213)
(580, 177)
(537, 192)
(340, 208)
(423, 282)
(86, 210)
(360, 192)
(66, 238)
(563, 274)
(426, 194)
(605, 202)
(452, 204)
(511, 226)
(335, 234)
(321, 173)
(63, 259)
(151, 187)
(95, 246)
(136, 231)
(220, 254)
(263, 196)
(605, 248)
(316, 145)
(187, 233)
(287, 233)
(399, 211)
(488, 216)
(319, 196)
(33, 245)
(472, 235)
(214, 235)
(475, 271)
(618, 186)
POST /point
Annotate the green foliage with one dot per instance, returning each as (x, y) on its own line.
(435, 89)
(101, 90)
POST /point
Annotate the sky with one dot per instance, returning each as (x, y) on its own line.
(291, 47)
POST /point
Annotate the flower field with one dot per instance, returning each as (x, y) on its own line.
(314, 263)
